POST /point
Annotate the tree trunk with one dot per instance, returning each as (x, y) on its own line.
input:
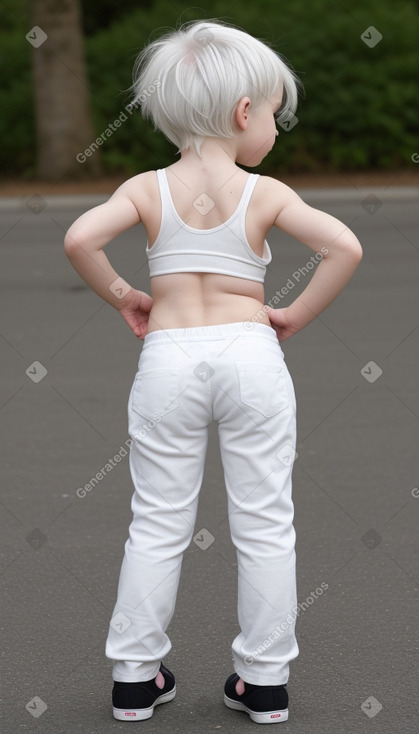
(62, 100)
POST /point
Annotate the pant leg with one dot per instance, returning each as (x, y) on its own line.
(168, 424)
(255, 408)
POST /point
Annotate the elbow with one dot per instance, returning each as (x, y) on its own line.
(355, 250)
(71, 244)
(69, 247)
(348, 251)
(352, 249)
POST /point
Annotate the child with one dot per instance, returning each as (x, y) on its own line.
(211, 352)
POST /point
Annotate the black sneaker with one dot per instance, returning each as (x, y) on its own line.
(264, 704)
(136, 701)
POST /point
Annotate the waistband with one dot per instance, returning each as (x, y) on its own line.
(213, 331)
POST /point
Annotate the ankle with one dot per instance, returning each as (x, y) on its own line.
(159, 680)
(240, 687)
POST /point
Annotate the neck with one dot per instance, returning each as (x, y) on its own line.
(215, 152)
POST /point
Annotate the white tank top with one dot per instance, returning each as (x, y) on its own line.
(180, 248)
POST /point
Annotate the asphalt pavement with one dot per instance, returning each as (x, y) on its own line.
(68, 361)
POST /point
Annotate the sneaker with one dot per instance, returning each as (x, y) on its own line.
(136, 701)
(264, 704)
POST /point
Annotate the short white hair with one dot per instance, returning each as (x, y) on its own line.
(188, 81)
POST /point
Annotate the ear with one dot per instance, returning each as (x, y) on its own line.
(242, 112)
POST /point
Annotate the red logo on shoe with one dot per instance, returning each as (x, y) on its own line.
(275, 716)
(130, 713)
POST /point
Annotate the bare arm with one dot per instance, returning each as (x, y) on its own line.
(341, 254)
(83, 245)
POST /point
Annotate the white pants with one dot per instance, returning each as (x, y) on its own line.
(236, 375)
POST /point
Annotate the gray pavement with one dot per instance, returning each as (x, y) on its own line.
(355, 488)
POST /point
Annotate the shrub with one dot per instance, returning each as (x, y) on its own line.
(359, 109)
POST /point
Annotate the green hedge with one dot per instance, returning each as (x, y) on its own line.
(358, 112)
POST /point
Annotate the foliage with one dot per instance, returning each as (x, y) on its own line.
(358, 111)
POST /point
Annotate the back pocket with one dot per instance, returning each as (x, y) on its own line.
(263, 386)
(155, 392)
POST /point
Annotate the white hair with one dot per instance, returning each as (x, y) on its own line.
(198, 73)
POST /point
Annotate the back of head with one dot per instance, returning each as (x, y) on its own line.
(188, 81)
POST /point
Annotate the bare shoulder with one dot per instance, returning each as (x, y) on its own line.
(275, 191)
(141, 189)
(272, 195)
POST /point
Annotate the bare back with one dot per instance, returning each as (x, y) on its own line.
(200, 299)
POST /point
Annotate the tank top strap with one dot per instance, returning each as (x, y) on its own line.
(248, 191)
(168, 222)
(165, 196)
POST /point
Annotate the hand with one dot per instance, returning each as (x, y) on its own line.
(281, 322)
(136, 312)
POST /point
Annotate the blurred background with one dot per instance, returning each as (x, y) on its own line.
(67, 65)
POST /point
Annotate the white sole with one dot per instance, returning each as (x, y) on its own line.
(265, 717)
(141, 714)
